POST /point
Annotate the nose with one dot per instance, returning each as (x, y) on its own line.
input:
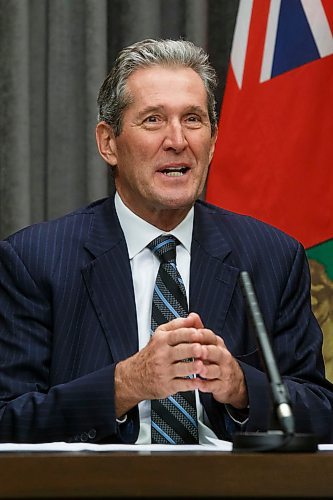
(175, 138)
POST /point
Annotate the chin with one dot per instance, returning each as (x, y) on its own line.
(177, 203)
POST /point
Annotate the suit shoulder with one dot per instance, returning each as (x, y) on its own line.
(54, 237)
(57, 228)
(242, 226)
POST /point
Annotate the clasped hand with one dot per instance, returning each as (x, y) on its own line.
(159, 369)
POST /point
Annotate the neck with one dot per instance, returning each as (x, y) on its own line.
(164, 219)
(168, 219)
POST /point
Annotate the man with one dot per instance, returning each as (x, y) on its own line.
(79, 360)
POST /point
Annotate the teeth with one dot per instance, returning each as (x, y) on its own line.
(174, 173)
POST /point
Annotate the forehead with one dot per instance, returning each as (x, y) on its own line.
(160, 85)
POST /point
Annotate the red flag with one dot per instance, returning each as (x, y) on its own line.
(274, 154)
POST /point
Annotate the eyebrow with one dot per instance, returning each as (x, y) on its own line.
(159, 108)
(150, 109)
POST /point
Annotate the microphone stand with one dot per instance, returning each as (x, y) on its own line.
(285, 439)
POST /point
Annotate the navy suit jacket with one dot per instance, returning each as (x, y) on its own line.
(67, 316)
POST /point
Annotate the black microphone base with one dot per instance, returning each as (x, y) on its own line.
(274, 441)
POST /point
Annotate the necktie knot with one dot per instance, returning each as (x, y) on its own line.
(164, 247)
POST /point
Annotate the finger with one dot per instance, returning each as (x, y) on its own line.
(197, 323)
(217, 362)
(192, 320)
(230, 388)
(211, 372)
(190, 335)
(182, 384)
(183, 351)
(215, 354)
(182, 335)
(186, 368)
(205, 336)
(206, 385)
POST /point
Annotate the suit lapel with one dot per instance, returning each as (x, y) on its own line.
(213, 277)
(109, 282)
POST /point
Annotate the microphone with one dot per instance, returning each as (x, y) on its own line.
(279, 391)
(273, 440)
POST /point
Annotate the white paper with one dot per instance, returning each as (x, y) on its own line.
(216, 445)
(325, 447)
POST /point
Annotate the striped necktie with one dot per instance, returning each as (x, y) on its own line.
(173, 419)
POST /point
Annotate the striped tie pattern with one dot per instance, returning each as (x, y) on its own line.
(174, 419)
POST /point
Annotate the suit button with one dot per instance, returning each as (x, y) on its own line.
(92, 433)
(84, 436)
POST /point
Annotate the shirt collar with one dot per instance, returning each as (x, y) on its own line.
(138, 232)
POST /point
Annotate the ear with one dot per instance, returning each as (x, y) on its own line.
(212, 145)
(106, 143)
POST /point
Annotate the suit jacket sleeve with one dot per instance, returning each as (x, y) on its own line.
(297, 342)
(225, 244)
(32, 407)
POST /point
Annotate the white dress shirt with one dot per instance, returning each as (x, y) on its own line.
(144, 264)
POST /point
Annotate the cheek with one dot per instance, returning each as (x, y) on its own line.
(147, 148)
(204, 158)
(202, 147)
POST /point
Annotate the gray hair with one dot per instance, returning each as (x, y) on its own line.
(113, 97)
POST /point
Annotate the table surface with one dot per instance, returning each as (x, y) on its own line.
(153, 474)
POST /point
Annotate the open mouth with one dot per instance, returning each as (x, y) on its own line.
(175, 171)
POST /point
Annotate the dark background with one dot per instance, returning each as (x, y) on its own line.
(54, 55)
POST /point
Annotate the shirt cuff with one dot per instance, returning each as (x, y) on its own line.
(240, 417)
(121, 420)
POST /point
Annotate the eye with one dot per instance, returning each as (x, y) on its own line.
(152, 121)
(193, 120)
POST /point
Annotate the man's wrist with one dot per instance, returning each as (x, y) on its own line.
(124, 395)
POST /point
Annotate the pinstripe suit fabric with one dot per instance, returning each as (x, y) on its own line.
(67, 316)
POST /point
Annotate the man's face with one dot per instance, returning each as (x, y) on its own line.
(165, 146)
